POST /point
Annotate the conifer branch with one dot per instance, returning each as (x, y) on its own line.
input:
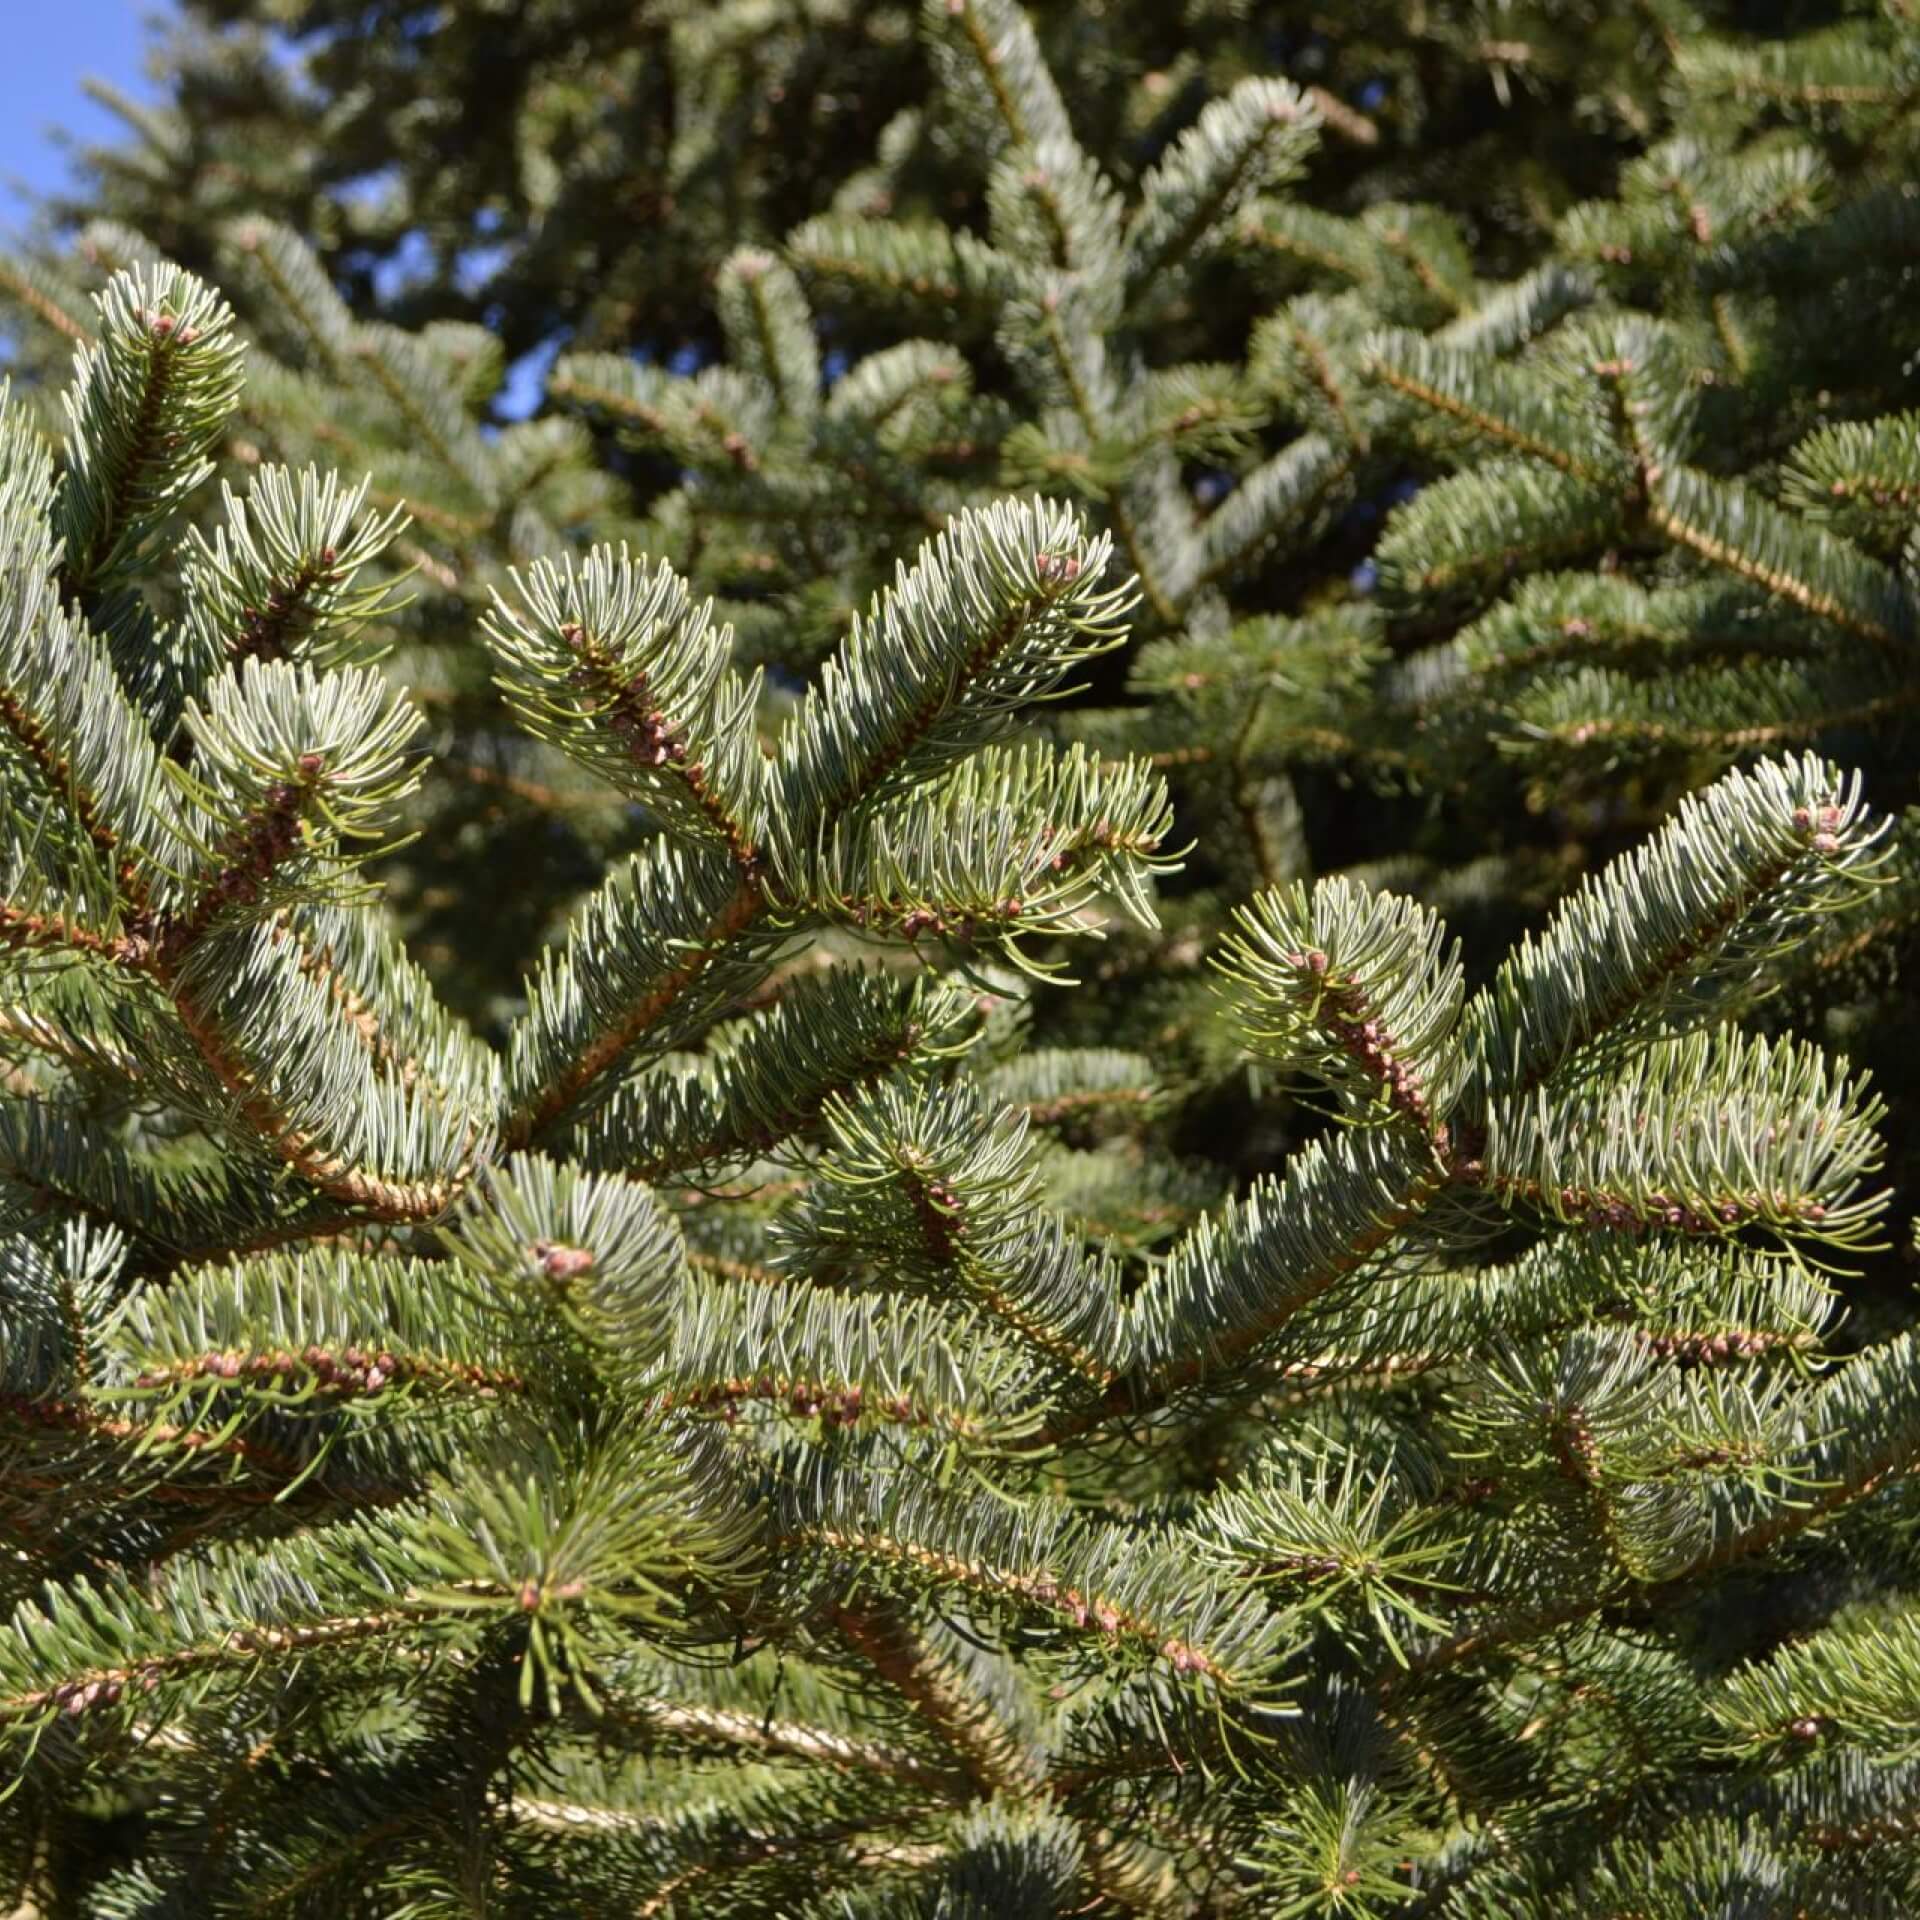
(150, 398)
(752, 1733)
(1019, 1458)
(992, 1762)
(1745, 534)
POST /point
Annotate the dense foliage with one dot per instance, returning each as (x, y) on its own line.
(747, 1167)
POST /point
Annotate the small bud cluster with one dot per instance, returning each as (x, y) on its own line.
(1360, 1034)
(1822, 827)
(1575, 1447)
(78, 1696)
(1881, 496)
(256, 845)
(1865, 1833)
(915, 921)
(1368, 1042)
(1086, 1611)
(1311, 1566)
(1057, 569)
(651, 739)
(937, 1204)
(1615, 1213)
(261, 843)
(941, 1195)
(534, 1594)
(349, 1373)
(1713, 1349)
(1100, 837)
(1729, 1212)
(1634, 1213)
(167, 328)
(265, 630)
(809, 1400)
(557, 1261)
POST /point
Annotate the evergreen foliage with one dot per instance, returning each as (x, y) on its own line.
(1006, 1318)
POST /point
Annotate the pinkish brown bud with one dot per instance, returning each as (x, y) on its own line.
(559, 1262)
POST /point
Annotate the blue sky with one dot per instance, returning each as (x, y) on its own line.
(49, 46)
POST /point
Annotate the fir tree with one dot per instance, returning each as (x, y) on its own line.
(703, 1213)
(432, 1472)
(587, 166)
